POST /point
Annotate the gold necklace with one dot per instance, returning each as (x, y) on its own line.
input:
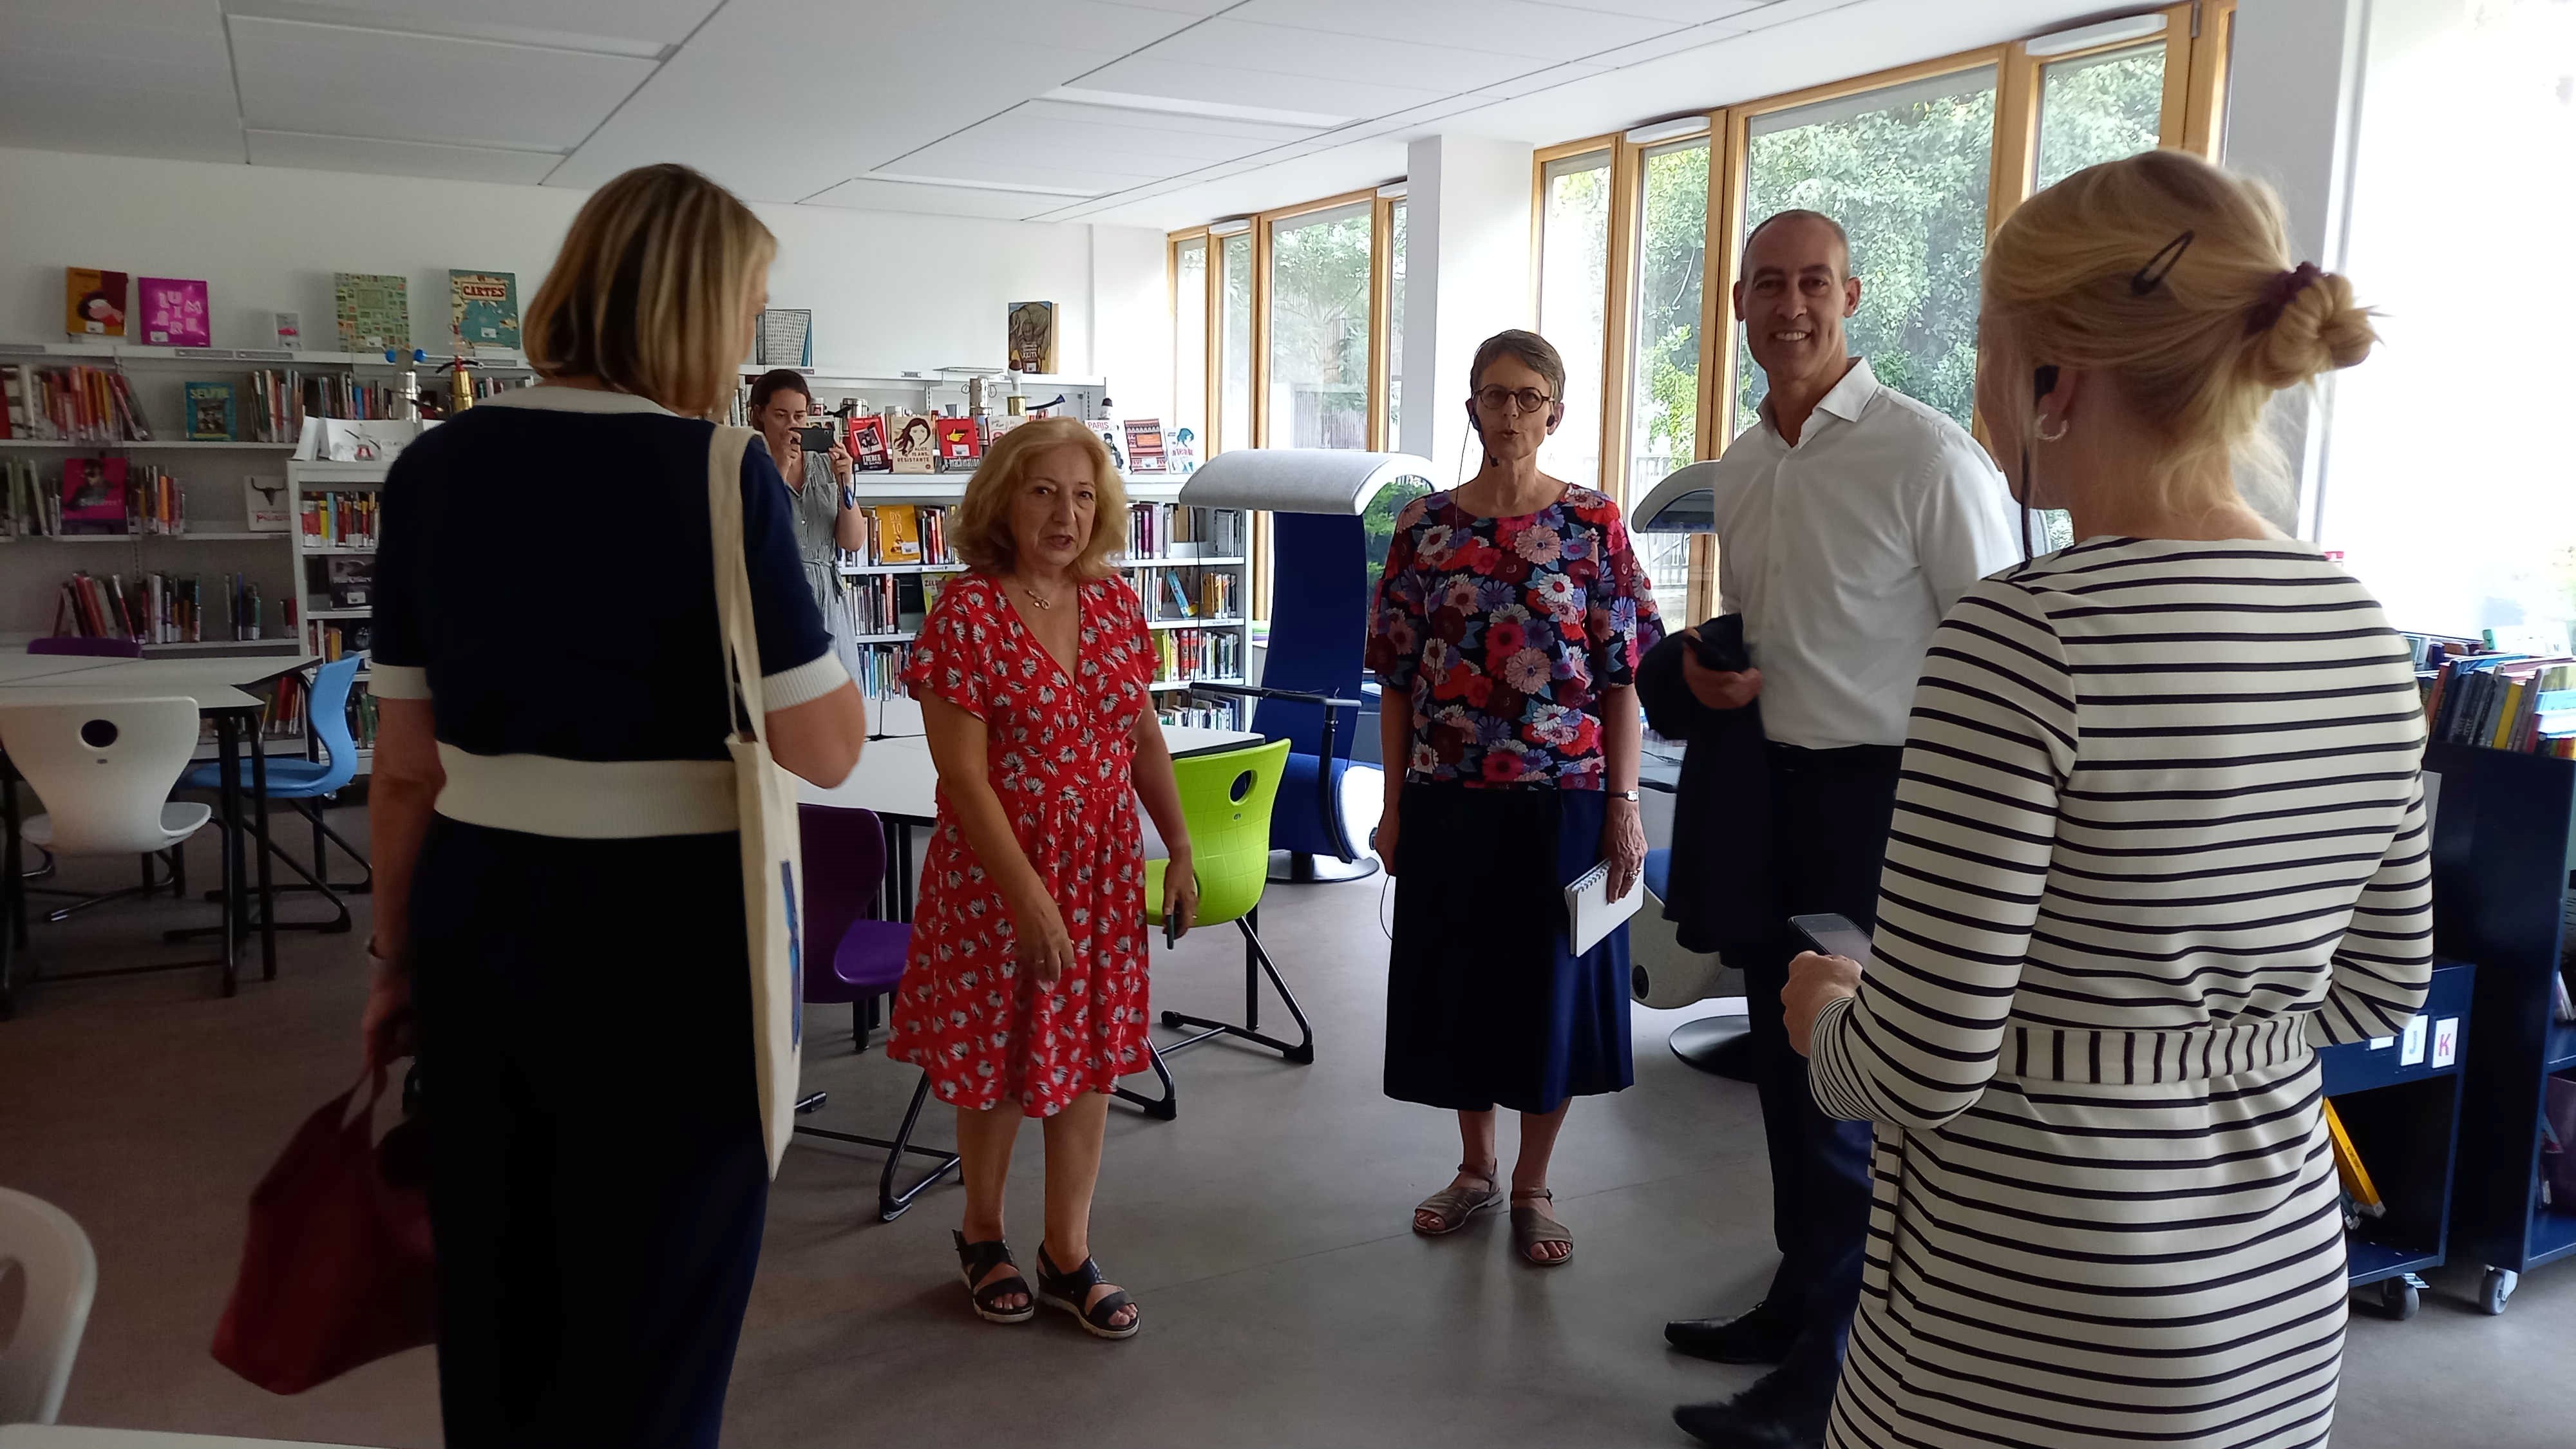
(1041, 600)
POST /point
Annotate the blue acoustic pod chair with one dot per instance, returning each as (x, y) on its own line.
(1312, 688)
(1684, 503)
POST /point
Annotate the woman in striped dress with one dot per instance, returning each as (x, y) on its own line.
(2160, 836)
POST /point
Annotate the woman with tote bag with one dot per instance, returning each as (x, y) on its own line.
(584, 845)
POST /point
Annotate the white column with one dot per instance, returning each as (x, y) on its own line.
(1467, 277)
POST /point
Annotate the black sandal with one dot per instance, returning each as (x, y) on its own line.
(1068, 1290)
(974, 1260)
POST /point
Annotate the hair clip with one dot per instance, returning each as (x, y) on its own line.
(2152, 275)
(2278, 293)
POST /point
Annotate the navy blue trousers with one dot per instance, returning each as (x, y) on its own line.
(1831, 810)
(597, 1173)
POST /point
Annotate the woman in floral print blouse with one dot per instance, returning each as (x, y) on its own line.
(1507, 631)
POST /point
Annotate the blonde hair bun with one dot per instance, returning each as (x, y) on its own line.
(2319, 331)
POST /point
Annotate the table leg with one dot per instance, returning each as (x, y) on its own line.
(267, 896)
(228, 802)
(903, 870)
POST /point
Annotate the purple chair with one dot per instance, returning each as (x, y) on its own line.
(845, 858)
(95, 648)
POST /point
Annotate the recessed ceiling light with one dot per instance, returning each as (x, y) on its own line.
(2108, 32)
(1213, 110)
(965, 185)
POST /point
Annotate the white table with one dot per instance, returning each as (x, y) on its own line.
(66, 1436)
(897, 781)
(220, 688)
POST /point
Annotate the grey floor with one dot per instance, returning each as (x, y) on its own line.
(1264, 1233)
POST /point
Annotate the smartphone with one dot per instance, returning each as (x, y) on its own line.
(816, 439)
(1834, 936)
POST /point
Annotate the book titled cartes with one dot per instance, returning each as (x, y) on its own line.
(372, 309)
(868, 444)
(210, 412)
(913, 444)
(483, 310)
(93, 303)
(173, 312)
(959, 446)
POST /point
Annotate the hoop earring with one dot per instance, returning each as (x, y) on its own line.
(2059, 436)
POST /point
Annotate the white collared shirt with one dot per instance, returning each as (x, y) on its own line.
(1844, 551)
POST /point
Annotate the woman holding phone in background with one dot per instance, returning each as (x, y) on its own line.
(818, 483)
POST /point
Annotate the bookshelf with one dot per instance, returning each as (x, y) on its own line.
(329, 513)
(1202, 552)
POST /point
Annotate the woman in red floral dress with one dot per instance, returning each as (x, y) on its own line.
(1025, 992)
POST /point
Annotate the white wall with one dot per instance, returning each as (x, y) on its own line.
(889, 290)
(1467, 277)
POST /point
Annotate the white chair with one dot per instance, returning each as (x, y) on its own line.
(61, 1272)
(104, 771)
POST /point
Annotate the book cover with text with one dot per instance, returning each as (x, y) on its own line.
(913, 444)
(868, 444)
(373, 311)
(210, 412)
(958, 445)
(483, 310)
(172, 312)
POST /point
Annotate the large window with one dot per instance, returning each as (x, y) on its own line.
(1234, 358)
(1190, 341)
(2098, 108)
(1574, 268)
(1319, 330)
(1672, 248)
(1905, 169)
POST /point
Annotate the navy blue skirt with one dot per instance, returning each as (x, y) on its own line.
(1485, 1006)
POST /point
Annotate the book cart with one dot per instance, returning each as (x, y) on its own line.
(2500, 851)
(2399, 1099)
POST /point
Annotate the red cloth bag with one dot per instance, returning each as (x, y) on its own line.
(338, 1270)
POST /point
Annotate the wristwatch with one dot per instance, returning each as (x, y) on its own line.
(1631, 796)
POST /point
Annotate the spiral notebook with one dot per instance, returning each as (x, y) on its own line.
(1590, 914)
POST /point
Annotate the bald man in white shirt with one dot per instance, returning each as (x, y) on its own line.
(1849, 519)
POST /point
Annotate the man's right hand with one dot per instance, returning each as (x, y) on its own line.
(1717, 688)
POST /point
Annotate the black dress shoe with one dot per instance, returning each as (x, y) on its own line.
(1769, 1415)
(1762, 1335)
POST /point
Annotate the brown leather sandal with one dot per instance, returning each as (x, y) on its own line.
(1455, 1206)
(1532, 1226)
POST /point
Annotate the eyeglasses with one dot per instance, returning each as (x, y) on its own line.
(1493, 399)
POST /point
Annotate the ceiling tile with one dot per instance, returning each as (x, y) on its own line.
(173, 94)
(1043, 117)
(1327, 55)
(1540, 80)
(663, 22)
(1680, 12)
(1503, 27)
(1224, 84)
(330, 81)
(399, 158)
(1087, 177)
(866, 195)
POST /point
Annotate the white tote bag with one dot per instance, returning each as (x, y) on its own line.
(773, 864)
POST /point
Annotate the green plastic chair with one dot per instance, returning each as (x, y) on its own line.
(1226, 798)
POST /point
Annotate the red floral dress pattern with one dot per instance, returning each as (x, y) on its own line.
(1504, 631)
(1059, 751)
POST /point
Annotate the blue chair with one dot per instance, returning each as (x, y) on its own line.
(303, 784)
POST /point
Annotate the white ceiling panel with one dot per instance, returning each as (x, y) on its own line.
(1327, 55)
(1540, 80)
(332, 81)
(1679, 12)
(1109, 148)
(1090, 176)
(399, 158)
(866, 195)
(755, 100)
(147, 78)
(1503, 27)
(1053, 118)
(1231, 85)
(664, 22)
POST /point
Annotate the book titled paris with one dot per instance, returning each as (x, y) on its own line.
(483, 310)
(172, 312)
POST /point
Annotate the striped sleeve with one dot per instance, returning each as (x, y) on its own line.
(2385, 960)
(1991, 741)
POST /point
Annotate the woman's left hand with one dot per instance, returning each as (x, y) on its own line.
(1816, 981)
(840, 462)
(1180, 893)
(1623, 846)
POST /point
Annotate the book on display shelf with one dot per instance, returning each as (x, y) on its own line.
(171, 312)
(340, 520)
(958, 443)
(880, 604)
(210, 412)
(868, 444)
(2522, 703)
(351, 581)
(76, 404)
(93, 492)
(894, 534)
(483, 311)
(93, 304)
(912, 441)
(1144, 445)
(29, 506)
(372, 310)
(1181, 654)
